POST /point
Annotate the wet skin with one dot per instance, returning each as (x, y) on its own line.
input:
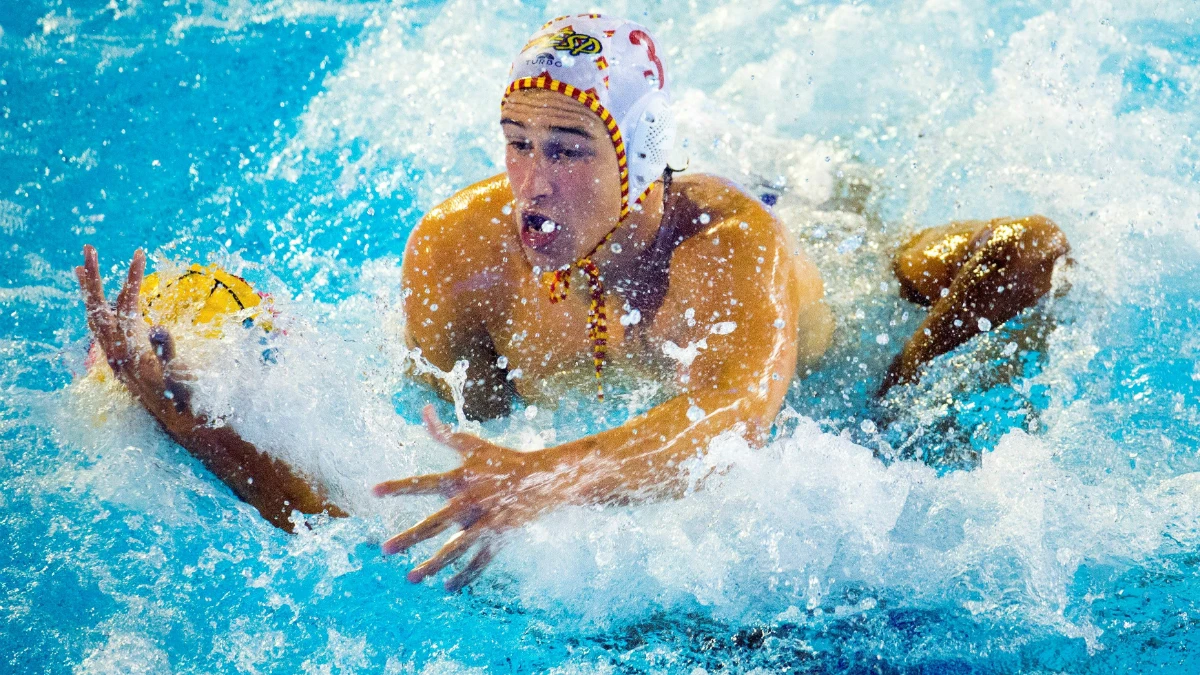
(473, 293)
(967, 271)
(143, 360)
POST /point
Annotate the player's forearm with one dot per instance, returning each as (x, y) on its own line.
(641, 460)
(267, 484)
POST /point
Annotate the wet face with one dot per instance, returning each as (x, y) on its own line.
(563, 171)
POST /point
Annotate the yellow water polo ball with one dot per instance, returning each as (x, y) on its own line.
(202, 296)
(199, 300)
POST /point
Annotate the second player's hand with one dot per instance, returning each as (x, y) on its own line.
(139, 356)
(495, 489)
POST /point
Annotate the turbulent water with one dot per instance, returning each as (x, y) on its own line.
(1032, 506)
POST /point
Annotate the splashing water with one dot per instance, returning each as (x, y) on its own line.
(297, 143)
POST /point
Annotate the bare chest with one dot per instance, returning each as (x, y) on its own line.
(549, 355)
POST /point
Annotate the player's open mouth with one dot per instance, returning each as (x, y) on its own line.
(538, 232)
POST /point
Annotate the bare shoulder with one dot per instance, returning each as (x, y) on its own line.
(739, 263)
(715, 207)
(741, 237)
(469, 227)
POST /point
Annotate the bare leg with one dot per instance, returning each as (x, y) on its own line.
(971, 274)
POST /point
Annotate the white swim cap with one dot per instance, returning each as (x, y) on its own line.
(612, 67)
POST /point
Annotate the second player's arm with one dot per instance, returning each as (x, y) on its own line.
(148, 370)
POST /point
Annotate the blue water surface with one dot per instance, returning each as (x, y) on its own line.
(165, 126)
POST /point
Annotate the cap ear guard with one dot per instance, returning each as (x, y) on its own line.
(650, 142)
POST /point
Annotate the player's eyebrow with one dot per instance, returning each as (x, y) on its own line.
(578, 131)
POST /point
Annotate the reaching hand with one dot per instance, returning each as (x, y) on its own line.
(494, 490)
(138, 357)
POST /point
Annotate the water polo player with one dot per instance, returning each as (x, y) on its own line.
(584, 267)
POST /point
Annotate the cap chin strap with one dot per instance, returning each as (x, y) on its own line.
(558, 282)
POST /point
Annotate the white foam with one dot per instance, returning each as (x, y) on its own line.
(125, 653)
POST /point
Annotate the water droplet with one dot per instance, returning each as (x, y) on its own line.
(506, 209)
(984, 324)
(743, 225)
(883, 338)
(704, 219)
(850, 244)
(867, 426)
(695, 413)
(549, 226)
(502, 362)
(779, 323)
(531, 412)
(615, 248)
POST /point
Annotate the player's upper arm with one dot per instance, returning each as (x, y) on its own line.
(450, 283)
(734, 288)
(435, 320)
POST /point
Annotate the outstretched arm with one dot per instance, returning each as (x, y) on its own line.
(744, 298)
(143, 360)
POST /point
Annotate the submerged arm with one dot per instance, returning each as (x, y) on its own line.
(143, 360)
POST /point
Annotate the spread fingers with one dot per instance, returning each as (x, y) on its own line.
(430, 527)
(451, 551)
(430, 483)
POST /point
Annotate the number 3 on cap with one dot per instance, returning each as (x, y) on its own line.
(639, 37)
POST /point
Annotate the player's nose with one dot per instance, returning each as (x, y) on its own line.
(536, 183)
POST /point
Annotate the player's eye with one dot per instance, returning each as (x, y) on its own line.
(561, 151)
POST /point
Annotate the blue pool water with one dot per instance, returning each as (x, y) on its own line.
(1033, 507)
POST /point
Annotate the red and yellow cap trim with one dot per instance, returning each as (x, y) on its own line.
(592, 102)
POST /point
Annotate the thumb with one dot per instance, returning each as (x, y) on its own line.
(439, 430)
